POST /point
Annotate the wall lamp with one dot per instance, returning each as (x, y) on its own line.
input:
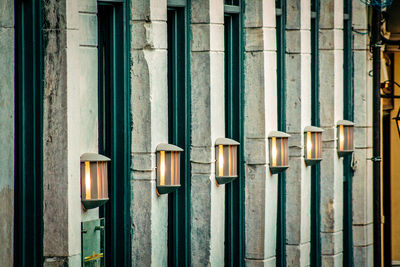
(278, 151)
(345, 132)
(313, 144)
(168, 168)
(94, 188)
(226, 160)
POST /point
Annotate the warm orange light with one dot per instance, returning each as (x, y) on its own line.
(341, 137)
(273, 151)
(162, 167)
(87, 180)
(220, 160)
(309, 145)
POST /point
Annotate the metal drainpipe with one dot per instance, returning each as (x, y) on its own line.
(376, 81)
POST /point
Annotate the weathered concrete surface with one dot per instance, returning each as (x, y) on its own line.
(6, 132)
(260, 112)
(149, 113)
(207, 122)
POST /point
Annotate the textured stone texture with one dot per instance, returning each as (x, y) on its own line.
(6, 132)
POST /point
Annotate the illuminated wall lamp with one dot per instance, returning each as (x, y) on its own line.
(94, 188)
(312, 145)
(168, 168)
(278, 151)
(226, 160)
(345, 142)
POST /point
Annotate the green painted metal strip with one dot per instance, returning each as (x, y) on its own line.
(114, 127)
(281, 85)
(230, 9)
(176, 3)
(234, 192)
(28, 230)
(348, 114)
(315, 254)
(179, 245)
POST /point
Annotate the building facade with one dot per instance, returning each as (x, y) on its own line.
(120, 77)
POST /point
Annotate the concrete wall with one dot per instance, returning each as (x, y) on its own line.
(6, 132)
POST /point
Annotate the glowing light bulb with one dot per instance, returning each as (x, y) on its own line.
(220, 160)
(309, 145)
(341, 137)
(162, 167)
(87, 180)
(274, 152)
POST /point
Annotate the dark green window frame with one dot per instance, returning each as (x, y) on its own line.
(179, 132)
(114, 126)
(28, 230)
(315, 254)
(281, 87)
(234, 192)
(348, 114)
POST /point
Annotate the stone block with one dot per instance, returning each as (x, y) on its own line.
(88, 29)
(216, 9)
(208, 37)
(89, 100)
(364, 256)
(361, 85)
(360, 15)
(361, 41)
(143, 161)
(271, 262)
(298, 41)
(149, 35)
(201, 100)
(201, 219)
(54, 15)
(217, 239)
(254, 95)
(363, 235)
(268, 13)
(140, 9)
(253, 15)
(331, 14)
(6, 225)
(255, 150)
(332, 260)
(217, 95)
(331, 243)
(7, 13)
(7, 109)
(88, 6)
(72, 12)
(363, 137)
(298, 15)
(296, 145)
(330, 39)
(298, 255)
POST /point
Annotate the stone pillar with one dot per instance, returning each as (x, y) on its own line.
(362, 179)
(61, 117)
(6, 132)
(331, 111)
(207, 90)
(149, 107)
(298, 115)
(260, 118)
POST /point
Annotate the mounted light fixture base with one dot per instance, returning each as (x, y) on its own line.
(168, 168)
(345, 133)
(278, 151)
(226, 160)
(94, 180)
(312, 145)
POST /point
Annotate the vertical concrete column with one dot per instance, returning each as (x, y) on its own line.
(149, 107)
(331, 110)
(260, 98)
(207, 89)
(362, 179)
(61, 134)
(6, 132)
(298, 115)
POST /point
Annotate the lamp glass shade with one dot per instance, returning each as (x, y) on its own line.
(168, 168)
(313, 145)
(345, 141)
(226, 151)
(278, 152)
(94, 180)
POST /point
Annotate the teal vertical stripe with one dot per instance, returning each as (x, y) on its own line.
(114, 127)
(281, 87)
(234, 191)
(348, 114)
(179, 245)
(315, 120)
(28, 211)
